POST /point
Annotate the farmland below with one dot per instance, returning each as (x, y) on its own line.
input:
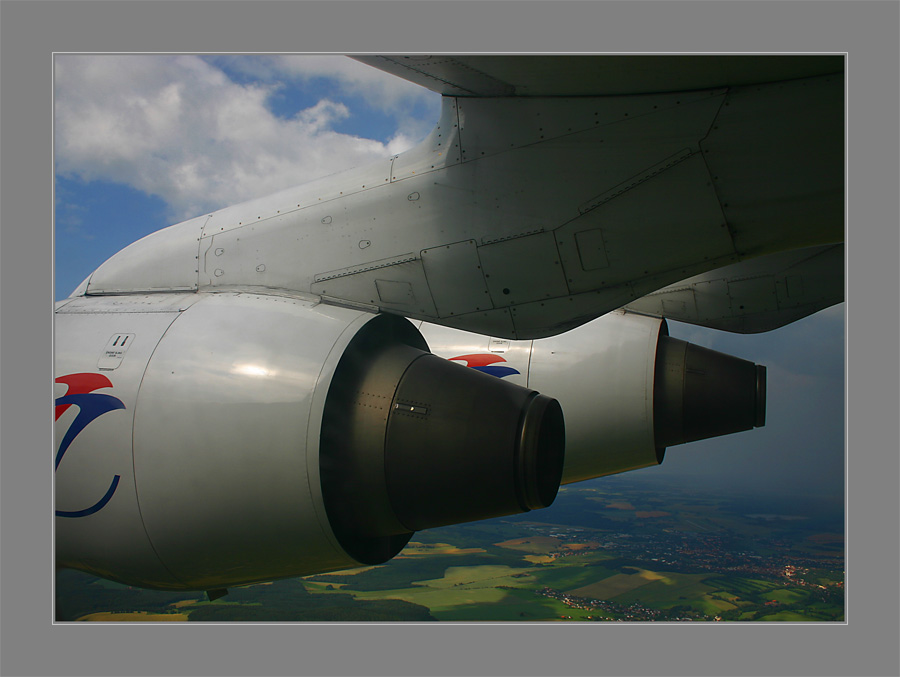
(613, 549)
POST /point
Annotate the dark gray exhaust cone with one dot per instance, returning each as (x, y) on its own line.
(463, 446)
(700, 393)
(411, 441)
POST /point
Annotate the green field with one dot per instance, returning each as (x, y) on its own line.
(672, 589)
(787, 616)
(515, 605)
(460, 586)
(567, 576)
(613, 586)
(788, 596)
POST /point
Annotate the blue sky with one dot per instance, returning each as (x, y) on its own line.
(144, 141)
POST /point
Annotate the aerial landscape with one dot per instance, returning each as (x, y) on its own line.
(616, 549)
(709, 538)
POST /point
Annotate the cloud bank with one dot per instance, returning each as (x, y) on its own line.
(200, 132)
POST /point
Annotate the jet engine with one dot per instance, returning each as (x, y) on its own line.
(206, 440)
(628, 390)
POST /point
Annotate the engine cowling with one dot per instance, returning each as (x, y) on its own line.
(211, 440)
(627, 389)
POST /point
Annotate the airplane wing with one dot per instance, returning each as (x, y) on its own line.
(552, 190)
(756, 296)
(596, 75)
(753, 296)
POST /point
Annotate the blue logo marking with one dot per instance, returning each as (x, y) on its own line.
(91, 406)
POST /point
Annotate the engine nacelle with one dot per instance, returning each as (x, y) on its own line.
(627, 389)
(211, 440)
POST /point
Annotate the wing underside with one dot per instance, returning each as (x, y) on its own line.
(758, 294)
(554, 190)
(596, 75)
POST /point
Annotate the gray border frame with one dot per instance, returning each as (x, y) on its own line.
(31, 31)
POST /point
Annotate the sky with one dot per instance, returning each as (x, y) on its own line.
(145, 141)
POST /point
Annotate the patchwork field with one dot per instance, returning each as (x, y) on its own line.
(790, 616)
(619, 584)
(532, 544)
(415, 549)
(139, 616)
(344, 572)
(459, 587)
(603, 551)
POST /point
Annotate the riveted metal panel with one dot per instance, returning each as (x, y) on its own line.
(365, 267)
(539, 319)
(591, 249)
(164, 260)
(440, 149)
(554, 75)
(356, 233)
(495, 125)
(776, 157)
(546, 184)
(753, 295)
(130, 303)
(299, 198)
(774, 290)
(496, 322)
(393, 292)
(523, 269)
(669, 222)
(456, 279)
(712, 299)
(361, 285)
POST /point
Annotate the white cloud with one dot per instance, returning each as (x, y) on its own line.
(179, 128)
(381, 90)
